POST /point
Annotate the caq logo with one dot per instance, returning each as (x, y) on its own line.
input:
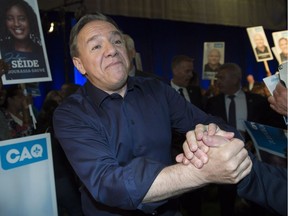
(23, 153)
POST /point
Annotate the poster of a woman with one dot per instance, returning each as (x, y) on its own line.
(22, 43)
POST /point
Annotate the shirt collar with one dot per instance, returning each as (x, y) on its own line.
(173, 85)
(98, 96)
(238, 93)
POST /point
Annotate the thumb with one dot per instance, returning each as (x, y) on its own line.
(215, 140)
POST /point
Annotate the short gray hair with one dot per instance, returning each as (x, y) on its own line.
(129, 42)
(80, 24)
(234, 70)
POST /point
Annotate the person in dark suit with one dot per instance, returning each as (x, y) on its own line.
(249, 106)
(266, 184)
(182, 70)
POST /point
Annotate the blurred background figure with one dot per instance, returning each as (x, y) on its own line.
(16, 111)
(67, 89)
(66, 182)
(247, 106)
(182, 71)
(251, 83)
(131, 50)
(4, 129)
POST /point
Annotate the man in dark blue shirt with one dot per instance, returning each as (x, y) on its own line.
(116, 132)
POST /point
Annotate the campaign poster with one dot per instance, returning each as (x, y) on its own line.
(27, 178)
(213, 57)
(259, 43)
(276, 54)
(22, 43)
(280, 39)
(270, 143)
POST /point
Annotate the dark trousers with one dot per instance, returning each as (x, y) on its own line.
(227, 197)
(191, 202)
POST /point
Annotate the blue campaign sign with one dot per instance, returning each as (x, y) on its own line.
(23, 153)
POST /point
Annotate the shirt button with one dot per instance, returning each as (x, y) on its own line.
(154, 213)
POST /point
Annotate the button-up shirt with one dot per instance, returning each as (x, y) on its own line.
(118, 145)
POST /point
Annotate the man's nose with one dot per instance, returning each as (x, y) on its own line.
(110, 49)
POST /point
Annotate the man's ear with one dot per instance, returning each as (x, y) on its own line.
(78, 64)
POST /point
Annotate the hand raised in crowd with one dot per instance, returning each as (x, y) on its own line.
(278, 101)
(194, 150)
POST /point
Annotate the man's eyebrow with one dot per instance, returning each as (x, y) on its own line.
(95, 37)
(116, 33)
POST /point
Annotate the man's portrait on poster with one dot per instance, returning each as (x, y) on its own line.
(280, 39)
(213, 58)
(20, 41)
(259, 43)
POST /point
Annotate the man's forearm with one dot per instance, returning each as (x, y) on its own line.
(174, 180)
(228, 164)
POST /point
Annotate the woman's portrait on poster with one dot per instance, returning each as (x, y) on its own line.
(20, 41)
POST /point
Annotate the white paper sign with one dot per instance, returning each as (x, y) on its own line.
(283, 71)
(271, 82)
(27, 179)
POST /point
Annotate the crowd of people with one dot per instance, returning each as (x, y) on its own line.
(133, 144)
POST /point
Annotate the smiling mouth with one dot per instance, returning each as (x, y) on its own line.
(114, 64)
(18, 31)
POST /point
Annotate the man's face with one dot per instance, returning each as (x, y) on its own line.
(183, 73)
(224, 81)
(259, 41)
(214, 57)
(102, 56)
(283, 45)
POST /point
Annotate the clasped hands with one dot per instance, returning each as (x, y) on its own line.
(216, 152)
